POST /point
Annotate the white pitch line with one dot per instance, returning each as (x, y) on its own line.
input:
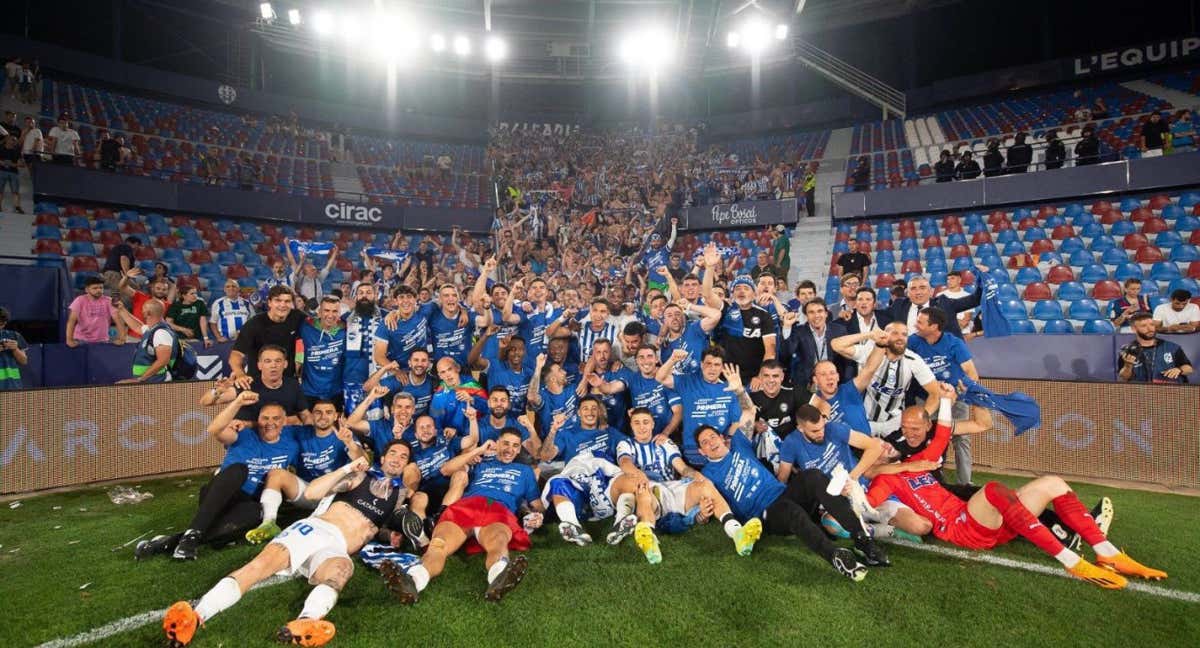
(992, 559)
(131, 623)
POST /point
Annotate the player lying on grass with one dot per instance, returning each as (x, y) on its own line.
(317, 547)
(666, 489)
(996, 514)
(324, 447)
(485, 519)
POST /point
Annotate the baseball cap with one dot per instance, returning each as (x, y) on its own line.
(656, 237)
(780, 228)
(742, 280)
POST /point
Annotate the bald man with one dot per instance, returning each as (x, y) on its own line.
(154, 352)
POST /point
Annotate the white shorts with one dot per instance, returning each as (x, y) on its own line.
(310, 542)
(672, 495)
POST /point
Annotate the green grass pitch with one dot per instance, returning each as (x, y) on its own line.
(701, 595)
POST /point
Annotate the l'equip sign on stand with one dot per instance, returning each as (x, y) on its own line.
(740, 215)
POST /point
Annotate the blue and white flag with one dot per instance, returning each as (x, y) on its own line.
(309, 248)
(1018, 407)
(395, 256)
(374, 554)
(727, 252)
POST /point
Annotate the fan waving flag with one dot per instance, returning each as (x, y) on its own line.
(309, 248)
(395, 256)
(995, 324)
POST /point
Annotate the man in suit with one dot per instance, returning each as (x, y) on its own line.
(844, 308)
(866, 317)
(809, 343)
(920, 296)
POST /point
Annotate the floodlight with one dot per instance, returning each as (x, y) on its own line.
(733, 39)
(496, 49)
(323, 23)
(462, 45)
(754, 34)
(781, 31)
(266, 11)
(294, 16)
(437, 42)
(351, 28)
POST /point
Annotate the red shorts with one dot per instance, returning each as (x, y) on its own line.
(478, 512)
(966, 532)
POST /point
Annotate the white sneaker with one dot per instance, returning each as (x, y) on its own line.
(574, 534)
(621, 529)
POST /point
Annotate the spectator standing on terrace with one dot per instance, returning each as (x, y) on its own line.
(90, 315)
(110, 151)
(810, 191)
(188, 315)
(1056, 152)
(1154, 133)
(763, 266)
(1179, 315)
(230, 312)
(1099, 109)
(1122, 310)
(861, 178)
(10, 125)
(63, 142)
(944, 169)
(854, 262)
(32, 144)
(781, 250)
(1151, 359)
(248, 172)
(10, 158)
(444, 164)
(306, 280)
(1087, 149)
(993, 161)
(967, 168)
(12, 354)
(1020, 155)
(120, 261)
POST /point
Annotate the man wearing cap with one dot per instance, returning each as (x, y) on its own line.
(12, 354)
(781, 250)
(747, 331)
(656, 256)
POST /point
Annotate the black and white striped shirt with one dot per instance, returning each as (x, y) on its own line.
(884, 397)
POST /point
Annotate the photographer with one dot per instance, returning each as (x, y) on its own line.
(1151, 360)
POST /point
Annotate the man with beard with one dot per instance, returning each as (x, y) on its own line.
(645, 392)
(596, 327)
(1151, 359)
(318, 547)
(414, 381)
(376, 434)
(775, 404)
(228, 504)
(160, 289)
(602, 366)
(431, 451)
(633, 336)
(324, 448)
(361, 324)
(746, 330)
(679, 333)
(539, 313)
(500, 416)
(485, 519)
(279, 326)
(507, 369)
(884, 395)
(323, 345)
(550, 393)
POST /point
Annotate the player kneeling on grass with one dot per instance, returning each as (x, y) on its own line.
(996, 514)
(317, 547)
(485, 519)
(753, 493)
(666, 490)
(324, 447)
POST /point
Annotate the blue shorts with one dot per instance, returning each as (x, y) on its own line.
(10, 179)
(564, 487)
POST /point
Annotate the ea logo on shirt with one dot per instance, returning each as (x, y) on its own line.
(346, 212)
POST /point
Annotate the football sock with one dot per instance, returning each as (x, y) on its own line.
(319, 602)
(270, 499)
(1067, 557)
(730, 524)
(494, 570)
(420, 576)
(881, 530)
(1021, 521)
(566, 512)
(223, 595)
(625, 504)
(1075, 515)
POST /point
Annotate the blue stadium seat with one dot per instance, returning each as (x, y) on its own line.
(1071, 291)
(1084, 309)
(1114, 256)
(1172, 212)
(1058, 327)
(996, 270)
(81, 248)
(956, 239)
(1189, 200)
(1054, 221)
(171, 254)
(1184, 283)
(1185, 253)
(841, 247)
(1074, 209)
(1013, 309)
(1047, 309)
(1033, 234)
(1014, 248)
(1187, 224)
(1052, 258)
(1157, 300)
(1130, 204)
(1081, 258)
(227, 258)
(1167, 239)
(104, 225)
(1093, 273)
(1122, 227)
(1149, 288)
(1006, 235)
(1099, 327)
(935, 252)
(1069, 245)
(1086, 221)
(1005, 292)
(78, 222)
(180, 268)
(1102, 243)
(987, 250)
(1027, 275)
(885, 255)
(1021, 327)
(47, 232)
(1021, 212)
(1164, 271)
(1128, 270)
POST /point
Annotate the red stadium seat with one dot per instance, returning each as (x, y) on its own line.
(78, 235)
(180, 221)
(841, 237)
(979, 238)
(1193, 270)
(1060, 274)
(960, 251)
(1154, 225)
(885, 280)
(1028, 222)
(102, 212)
(1062, 232)
(911, 265)
(1107, 289)
(47, 218)
(952, 228)
(863, 227)
(1140, 214)
(235, 236)
(200, 256)
(863, 246)
(1134, 242)
(886, 244)
(1194, 239)
(237, 271)
(1046, 211)
(1036, 291)
(1020, 261)
(109, 237)
(75, 210)
(145, 253)
(1041, 245)
(218, 245)
(1111, 216)
(1148, 254)
(996, 217)
(48, 246)
(134, 228)
(1001, 225)
(933, 240)
(85, 264)
(1159, 201)
(1101, 206)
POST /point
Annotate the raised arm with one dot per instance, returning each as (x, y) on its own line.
(340, 480)
(357, 420)
(379, 374)
(549, 448)
(866, 373)
(220, 427)
(465, 459)
(871, 448)
(665, 375)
